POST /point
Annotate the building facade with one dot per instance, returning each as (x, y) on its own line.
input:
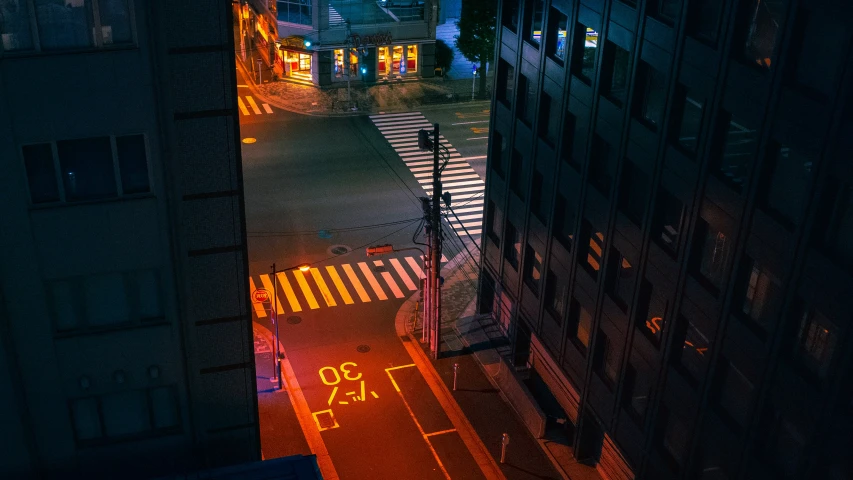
(669, 231)
(125, 336)
(327, 42)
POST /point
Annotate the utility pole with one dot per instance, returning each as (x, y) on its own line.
(276, 360)
(435, 272)
(347, 66)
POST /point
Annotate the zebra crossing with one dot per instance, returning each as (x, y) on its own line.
(339, 285)
(244, 110)
(465, 186)
(335, 18)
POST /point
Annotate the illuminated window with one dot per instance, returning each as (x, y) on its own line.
(556, 40)
(305, 62)
(591, 249)
(536, 10)
(533, 270)
(586, 46)
(651, 314)
(412, 58)
(512, 249)
(816, 341)
(397, 60)
(581, 326)
(340, 64)
(760, 290)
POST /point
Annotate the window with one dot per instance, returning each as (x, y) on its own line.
(837, 222)
(581, 326)
(493, 222)
(693, 359)
(620, 276)
(787, 192)
(635, 396)
(704, 19)
(666, 10)
(633, 192)
(510, 15)
(526, 100)
(538, 202)
(651, 96)
(735, 161)
(512, 249)
(600, 165)
(549, 119)
(295, 11)
(668, 223)
(617, 65)
(558, 24)
(556, 290)
(499, 147)
(106, 300)
(533, 269)
(564, 222)
(586, 46)
(411, 58)
(87, 169)
(15, 33)
(816, 341)
(41, 174)
(516, 174)
(569, 134)
(607, 361)
(675, 436)
(788, 445)
(689, 124)
(760, 290)
(506, 83)
(651, 313)
(715, 247)
(762, 20)
(129, 413)
(535, 10)
(590, 254)
(736, 393)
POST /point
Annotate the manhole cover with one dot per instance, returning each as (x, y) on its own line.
(324, 234)
(293, 320)
(363, 348)
(339, 250)
(379, 268)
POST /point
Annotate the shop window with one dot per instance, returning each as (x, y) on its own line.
(650, 96)
(41, 173)
(580, 326)
(536, 10)
(294, 11)
(704, 19)
(606, 362)
(412, 58)
(340, 64)
(512, 248)
(564, 222)
(590, 254)
(635, 393)
(517, 181)
(665, 10)
(620, 278)
(600, 165)
(714, 248)
(556, 292)
(692, 360)
(668, 222)
(538, 201)
(300, 63)
(651, 314)
(585, 52)
(567, 148)
(737, 155)
(533, 269)
(493, 222)
(786, 193)
(616, 72)
(506, 83)
(633, 192)
(760, 22)
(510, 14)
(816, 341)
(556, 41)
(549, 119)
(760, 291)
(736, 392)
(688, 112)
(526, 100)
(499, 150)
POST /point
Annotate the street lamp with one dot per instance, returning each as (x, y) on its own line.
(274, 310)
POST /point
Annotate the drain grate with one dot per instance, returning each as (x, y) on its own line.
(293, 320)
(363, 348)
(325, 420)
(339, 250)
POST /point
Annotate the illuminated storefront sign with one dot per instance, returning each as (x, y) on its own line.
(376, 39)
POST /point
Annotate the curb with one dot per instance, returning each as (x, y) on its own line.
(469, 436)
(303, 413)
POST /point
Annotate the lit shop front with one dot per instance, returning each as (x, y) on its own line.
(295, 58)
(378, 57)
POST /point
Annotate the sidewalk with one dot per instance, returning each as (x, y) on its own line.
(477, 349)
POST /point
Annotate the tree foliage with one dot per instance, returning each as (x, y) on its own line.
(443, 55)
(476, 40)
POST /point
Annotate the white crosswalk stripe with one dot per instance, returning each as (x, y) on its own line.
(250, 103)
(465, 186)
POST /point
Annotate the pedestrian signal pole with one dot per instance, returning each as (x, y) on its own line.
(436, 243)
(274, 311)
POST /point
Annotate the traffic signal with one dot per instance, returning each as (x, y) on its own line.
(424, 142)
(426, 207)
(379, 250)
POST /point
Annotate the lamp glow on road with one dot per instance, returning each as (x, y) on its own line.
(250, 140)
(304, 268)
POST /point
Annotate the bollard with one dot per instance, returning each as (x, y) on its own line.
(455, 372)
(504, 443)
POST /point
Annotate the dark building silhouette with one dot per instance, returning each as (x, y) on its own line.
(126, 348)
(669, 231)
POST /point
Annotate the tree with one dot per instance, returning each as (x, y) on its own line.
(476, 40)
(443, 56)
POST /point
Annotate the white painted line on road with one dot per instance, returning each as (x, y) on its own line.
(267, 108)
(306, 290)
(386, 115)
(362, 293)
(474, 158)
(403, 275)
(371, 279)
(439, 433)
(415, 267)
(288, 291)
(476, 138)
(265, 279)
(469, 209)
(260, 311)
(470, 123)
(253, 105)
(242, 86)
(339, 284)
(324, 289)
(243, 109)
